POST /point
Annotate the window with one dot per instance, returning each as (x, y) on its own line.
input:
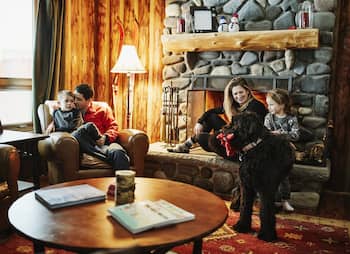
(16, 57)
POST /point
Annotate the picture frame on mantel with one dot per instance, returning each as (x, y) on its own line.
(203, 19)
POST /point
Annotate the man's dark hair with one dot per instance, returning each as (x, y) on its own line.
(86, 90)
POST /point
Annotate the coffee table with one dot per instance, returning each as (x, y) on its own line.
(89, 227)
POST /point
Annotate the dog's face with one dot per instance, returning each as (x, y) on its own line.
(246, 128)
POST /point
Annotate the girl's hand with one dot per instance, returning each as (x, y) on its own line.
(277, 132)
(198, 128)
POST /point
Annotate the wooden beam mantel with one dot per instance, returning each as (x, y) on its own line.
(243, 40)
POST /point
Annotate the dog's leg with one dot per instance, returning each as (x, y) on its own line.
(245, 217)
(267, 217)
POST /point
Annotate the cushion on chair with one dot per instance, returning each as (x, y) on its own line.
(88, 161)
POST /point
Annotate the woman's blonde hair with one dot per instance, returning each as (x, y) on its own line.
(281, 97)
(229, 104)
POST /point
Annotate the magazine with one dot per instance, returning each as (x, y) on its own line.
(144, 215)
(68, 196)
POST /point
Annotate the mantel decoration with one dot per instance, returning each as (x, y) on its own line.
(203, 19)
(129, 63)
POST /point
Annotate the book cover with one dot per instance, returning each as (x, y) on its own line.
(144, 215)
(70, 195)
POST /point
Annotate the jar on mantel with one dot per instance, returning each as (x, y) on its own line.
(305, 15)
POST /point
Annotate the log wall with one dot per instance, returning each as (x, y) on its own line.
(94, 33)
(340, 142)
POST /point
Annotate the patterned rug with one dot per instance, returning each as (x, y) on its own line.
(298, 234)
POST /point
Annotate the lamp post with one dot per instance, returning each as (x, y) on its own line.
(128, 62)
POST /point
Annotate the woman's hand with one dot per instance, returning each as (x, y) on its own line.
(198, 128)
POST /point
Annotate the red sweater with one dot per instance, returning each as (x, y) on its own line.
(102, 116)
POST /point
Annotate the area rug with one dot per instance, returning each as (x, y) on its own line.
(298, 234)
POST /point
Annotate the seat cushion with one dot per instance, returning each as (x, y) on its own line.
(87, 161)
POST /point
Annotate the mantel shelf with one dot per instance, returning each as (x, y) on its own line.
(243, 40)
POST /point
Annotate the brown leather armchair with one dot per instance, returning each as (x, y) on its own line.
(66, 163)
(9, 170)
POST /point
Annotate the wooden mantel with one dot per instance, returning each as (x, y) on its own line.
(244, 40)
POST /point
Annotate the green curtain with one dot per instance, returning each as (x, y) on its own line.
(47, 53)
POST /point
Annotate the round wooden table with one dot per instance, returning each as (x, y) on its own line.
(89, 227)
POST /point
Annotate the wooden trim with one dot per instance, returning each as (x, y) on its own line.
(16, 83)
(244, 40)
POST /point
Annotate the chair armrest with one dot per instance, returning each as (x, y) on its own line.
(136, 143)
(63, 149)
(10, 164)
(44, 117)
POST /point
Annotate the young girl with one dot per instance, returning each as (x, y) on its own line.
(280, 121)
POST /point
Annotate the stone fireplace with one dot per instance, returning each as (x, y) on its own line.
(268, 52)
(304, 71)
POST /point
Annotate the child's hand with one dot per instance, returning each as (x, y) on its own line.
(276, 132)
(50, 128)
(101, 141)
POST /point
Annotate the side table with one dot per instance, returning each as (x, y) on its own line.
(27, 144)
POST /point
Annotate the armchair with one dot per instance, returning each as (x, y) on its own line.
(66, 163)
(9, 170)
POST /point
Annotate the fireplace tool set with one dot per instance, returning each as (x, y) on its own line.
(170, 112)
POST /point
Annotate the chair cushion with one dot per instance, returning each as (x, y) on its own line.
(87, 161)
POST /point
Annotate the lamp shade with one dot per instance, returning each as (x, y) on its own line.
(128, 61)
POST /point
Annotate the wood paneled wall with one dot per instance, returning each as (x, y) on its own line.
(92, 41)
(340, 149)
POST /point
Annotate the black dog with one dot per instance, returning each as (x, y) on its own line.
(266, 159)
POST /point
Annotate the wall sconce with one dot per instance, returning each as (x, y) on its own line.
(129, 63)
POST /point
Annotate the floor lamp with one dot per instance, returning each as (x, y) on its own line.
(128, 62)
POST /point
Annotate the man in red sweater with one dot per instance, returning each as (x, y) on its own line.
(103, 118)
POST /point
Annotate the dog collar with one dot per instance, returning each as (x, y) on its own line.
(251, 145)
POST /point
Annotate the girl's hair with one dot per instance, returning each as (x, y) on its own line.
(230, 105)
(281, 97)
(64, 93)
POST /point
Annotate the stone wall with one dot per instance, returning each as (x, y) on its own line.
(310, 69)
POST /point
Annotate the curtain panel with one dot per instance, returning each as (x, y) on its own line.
(47, 53)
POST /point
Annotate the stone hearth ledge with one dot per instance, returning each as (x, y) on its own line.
(214, 173)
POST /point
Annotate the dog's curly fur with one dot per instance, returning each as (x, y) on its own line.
(262, 169)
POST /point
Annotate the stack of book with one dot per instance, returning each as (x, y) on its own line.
(68, 196)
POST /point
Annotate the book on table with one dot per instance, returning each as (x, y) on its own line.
(144, 215)
(69, 196)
